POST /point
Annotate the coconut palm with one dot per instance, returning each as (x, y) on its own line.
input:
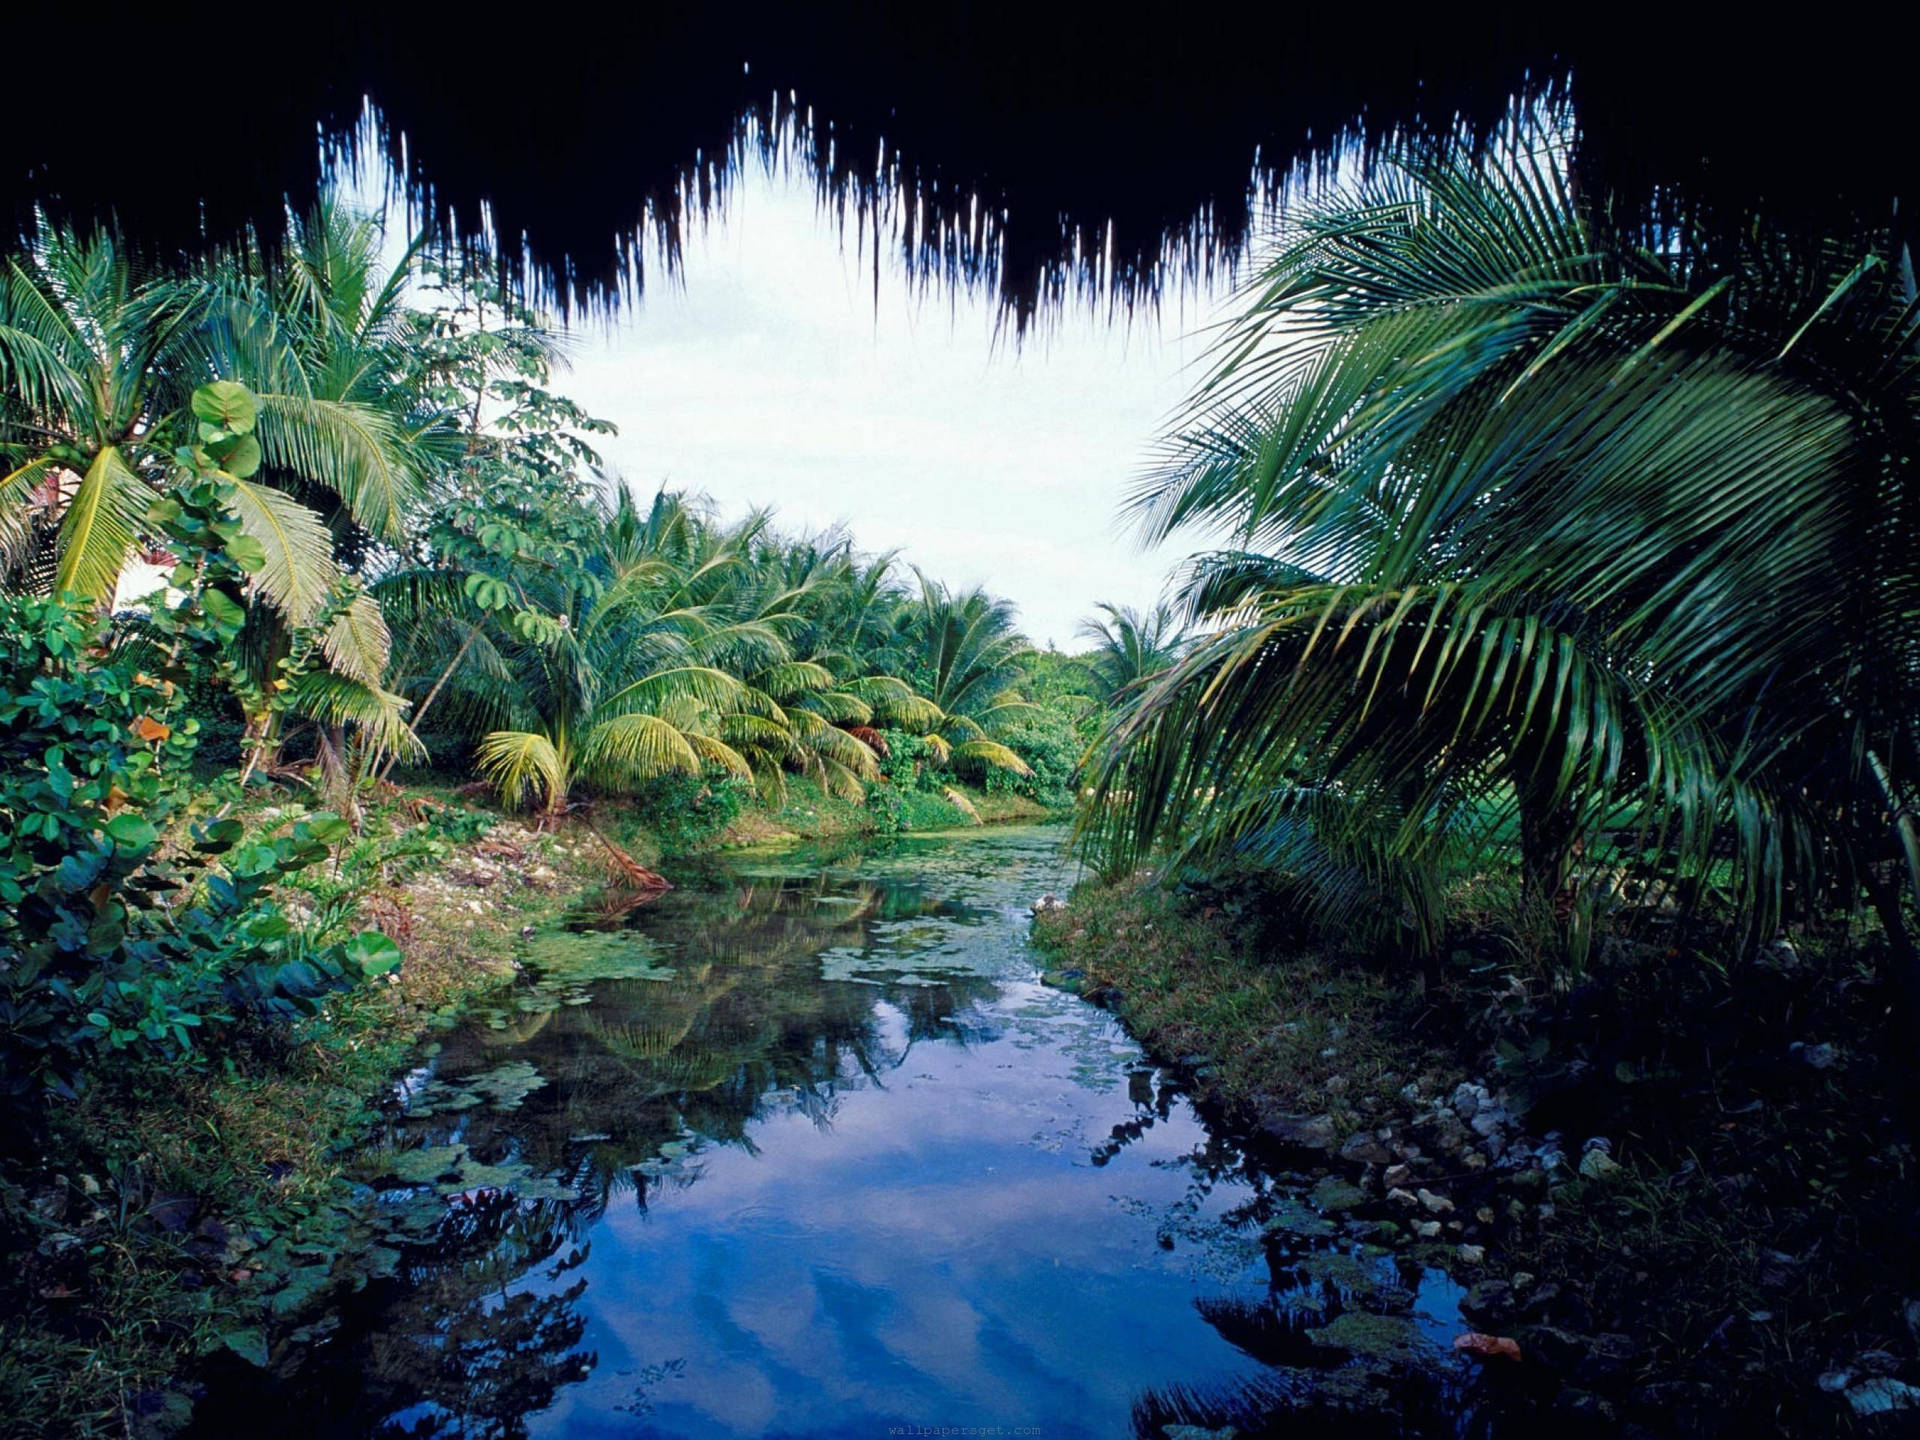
(1539, 529)
(99, 359)
(91, 364)
(617, 671)
(962, 652)
(1132, 646)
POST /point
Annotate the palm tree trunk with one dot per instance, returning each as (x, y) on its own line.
(1546, 830)
(473, 634)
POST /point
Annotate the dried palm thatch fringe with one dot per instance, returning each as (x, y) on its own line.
(1039, 154)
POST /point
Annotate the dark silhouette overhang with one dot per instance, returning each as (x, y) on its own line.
(1091, 129)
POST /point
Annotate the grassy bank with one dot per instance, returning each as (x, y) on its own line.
(1693, 1208)
(810, 814)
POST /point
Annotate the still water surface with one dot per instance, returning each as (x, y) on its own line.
(803, 1149)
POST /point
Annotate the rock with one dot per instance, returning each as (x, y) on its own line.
(1540, 1297)
(1868, 1386)
(1598, 1165)
(1818, 1057)
(1468, 1098)
(1365, 1148)
(1553, 1347)
(1487, 1347)
(1488, 1304)
(1446, 1131)
(1198, 1432)
(1490, 1121)
(1435, 1204)
(1472, 1254)
(1396, 1176)
(1428, 1229)
(1403, 1197)
(1301, 1132)
(1485, 1215)
(1048, 903)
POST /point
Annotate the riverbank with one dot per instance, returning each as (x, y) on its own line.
(1673, 1190)
(178, 1210)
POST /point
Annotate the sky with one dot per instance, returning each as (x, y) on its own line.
(764, 374)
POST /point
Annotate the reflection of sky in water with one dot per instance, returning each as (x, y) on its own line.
(841, 1162)
(942, 1251)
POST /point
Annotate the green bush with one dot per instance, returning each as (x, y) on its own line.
(1048, 741)
(126, 928)
(688, 812)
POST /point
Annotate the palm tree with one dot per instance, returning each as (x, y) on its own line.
(91, 363)
(1132, 646)
(99, 359)
(1541, 530)
(617, 670)
(962, 653)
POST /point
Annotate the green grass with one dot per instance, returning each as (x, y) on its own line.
(1315, 1033)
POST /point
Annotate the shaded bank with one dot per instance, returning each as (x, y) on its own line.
(1682, 1195)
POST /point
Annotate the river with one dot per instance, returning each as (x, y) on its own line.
(806, 1148)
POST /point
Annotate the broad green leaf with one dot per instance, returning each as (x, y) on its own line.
(226, 403)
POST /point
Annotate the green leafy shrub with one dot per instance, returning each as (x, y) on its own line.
(688, 812)
(1046, 739)
(126, 925)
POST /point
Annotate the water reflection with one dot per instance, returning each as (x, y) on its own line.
(803, 1150)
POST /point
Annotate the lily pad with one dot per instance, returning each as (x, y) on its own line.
(423, 1167)
(582, 956)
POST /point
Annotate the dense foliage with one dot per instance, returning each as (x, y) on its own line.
(1546, 546)
(136, 917)
(335, 512)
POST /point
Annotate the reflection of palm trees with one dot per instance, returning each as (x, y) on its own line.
(454, 1344)
(483, 1355)
(744, 1018)
(638, 1083)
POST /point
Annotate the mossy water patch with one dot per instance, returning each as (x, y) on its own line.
(580, 957)
(504, 1087)
(453, 1170)
(1375, 1341)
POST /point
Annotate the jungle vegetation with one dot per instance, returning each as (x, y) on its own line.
(1549, 552)
(284, 527)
